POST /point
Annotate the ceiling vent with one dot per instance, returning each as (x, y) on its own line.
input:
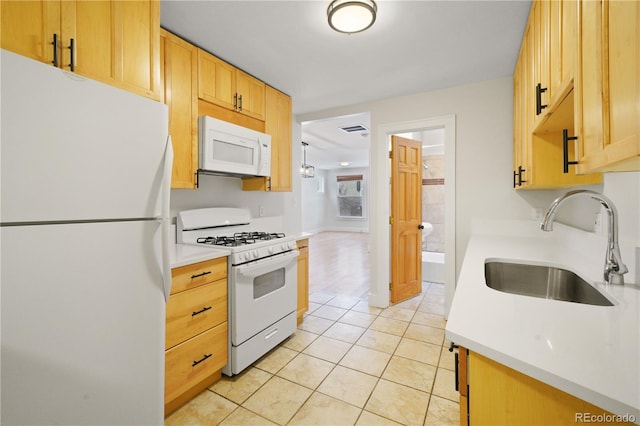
(352, 129)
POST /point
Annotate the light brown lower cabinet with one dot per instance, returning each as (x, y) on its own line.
(196, 331)
(494, 394)
(303, 278)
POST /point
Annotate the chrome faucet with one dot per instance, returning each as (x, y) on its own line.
(614, 269)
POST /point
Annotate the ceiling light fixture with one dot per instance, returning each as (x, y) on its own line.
(344, 163)
(306, 170)
(351, 16)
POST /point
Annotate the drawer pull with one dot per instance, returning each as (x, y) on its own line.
(200, 275)
(55, 50)
(203, 359)
(72, 53)
(271, 334)
(565, 150)
(205, 309)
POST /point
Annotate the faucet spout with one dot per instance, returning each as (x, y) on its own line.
(614, 268)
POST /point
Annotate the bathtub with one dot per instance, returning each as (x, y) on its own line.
(433, 267)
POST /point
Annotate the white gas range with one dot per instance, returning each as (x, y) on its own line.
(262, 279)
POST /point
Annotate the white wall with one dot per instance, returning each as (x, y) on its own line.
(314, 203)
(484, 160)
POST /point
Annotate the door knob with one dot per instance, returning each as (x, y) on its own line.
(421, 226)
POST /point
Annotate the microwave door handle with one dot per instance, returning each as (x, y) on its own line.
(259, 155)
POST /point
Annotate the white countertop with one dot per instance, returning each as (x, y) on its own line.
(592, 352)
(185, 254)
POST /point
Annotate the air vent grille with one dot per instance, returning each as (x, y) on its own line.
(352, 129)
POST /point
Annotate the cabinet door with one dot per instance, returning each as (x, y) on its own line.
(569, 43)
(499, 395)
(91, 27)
(622, 25)
(216, 81)
(28, 28)
(180, 64)
(303, 278)
(278, 125)
(116, 42)
(138, 56)
(250, 94)
(542, 49)
(608, 85)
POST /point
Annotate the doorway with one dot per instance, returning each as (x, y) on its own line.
(335, 203)
(380, 206)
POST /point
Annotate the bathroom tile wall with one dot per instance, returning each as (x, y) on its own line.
(433, 201)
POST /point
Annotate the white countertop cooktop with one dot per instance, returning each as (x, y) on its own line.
(592, 352)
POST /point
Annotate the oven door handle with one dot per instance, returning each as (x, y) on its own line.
(260, 267)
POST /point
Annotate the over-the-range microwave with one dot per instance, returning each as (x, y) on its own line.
(227, 149)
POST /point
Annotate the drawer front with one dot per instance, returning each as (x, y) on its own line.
(193, 311)
(194, 360)
(196, 274)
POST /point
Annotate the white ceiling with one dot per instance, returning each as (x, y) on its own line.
(414, 46)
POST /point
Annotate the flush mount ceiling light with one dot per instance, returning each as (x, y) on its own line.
(306, 170)
(351, 16)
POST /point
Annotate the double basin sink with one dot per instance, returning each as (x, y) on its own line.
(545, 282)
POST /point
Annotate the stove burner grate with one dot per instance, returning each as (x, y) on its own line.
(240, 238)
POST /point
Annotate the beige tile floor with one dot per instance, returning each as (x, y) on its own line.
(347, 364)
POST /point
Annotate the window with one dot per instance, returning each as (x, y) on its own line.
(350, 190)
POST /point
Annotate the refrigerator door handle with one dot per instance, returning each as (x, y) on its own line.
(165, 218)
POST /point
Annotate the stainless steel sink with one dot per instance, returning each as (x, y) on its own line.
(545, 282)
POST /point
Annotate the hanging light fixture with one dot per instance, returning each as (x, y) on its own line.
(306, 170)
(351, 16)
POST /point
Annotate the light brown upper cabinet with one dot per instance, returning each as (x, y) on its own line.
(116, 42)
(608, 83)
(180, 93)
(278, 125)
(222, 84)
(544, 98)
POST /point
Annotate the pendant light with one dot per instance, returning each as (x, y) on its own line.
(351, 16)
(306, 170)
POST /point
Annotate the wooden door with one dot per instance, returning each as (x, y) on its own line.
(180, 65)
(406, 217)
(28, 28)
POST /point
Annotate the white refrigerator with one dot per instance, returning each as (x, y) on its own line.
(84, 271)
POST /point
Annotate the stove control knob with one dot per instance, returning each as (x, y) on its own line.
(271, 250)
(293, 245)
(284, 246)
(255, 254)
